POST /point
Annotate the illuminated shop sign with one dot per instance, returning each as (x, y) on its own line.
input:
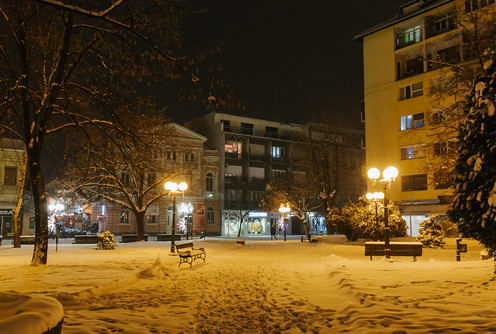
(257, 214)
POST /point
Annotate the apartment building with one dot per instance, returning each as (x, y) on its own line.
(403, 58)
(253, 151)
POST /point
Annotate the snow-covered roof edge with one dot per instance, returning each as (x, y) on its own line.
(394, 20)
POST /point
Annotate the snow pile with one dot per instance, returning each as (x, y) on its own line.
(157, 270)
(21, 314)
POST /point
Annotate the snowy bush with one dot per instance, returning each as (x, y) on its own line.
(106, 241)
(474, 206)
(358, 220)
(431, 233)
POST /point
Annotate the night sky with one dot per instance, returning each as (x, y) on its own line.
(294, 60)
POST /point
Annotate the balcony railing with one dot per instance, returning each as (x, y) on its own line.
(258, 133)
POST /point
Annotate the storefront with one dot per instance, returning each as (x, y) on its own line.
(6, 226)
(317, 224)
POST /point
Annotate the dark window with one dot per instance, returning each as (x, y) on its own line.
(125, 178)
(271, 132)
(413, 90)
(227, 125)
(442, 180)
(246, 129)
(10, 176)
(414, 182)
(151, 219)
(152, 177)
(209, 182)
(210, 215)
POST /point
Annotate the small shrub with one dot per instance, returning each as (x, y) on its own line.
(431, 233)
(106, 241)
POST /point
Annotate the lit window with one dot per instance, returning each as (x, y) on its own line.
(412, 121)
(413, 35)
(413, 152)
(277, 152)
(124, 217)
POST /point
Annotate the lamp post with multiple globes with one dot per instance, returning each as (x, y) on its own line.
(375, 197)
(174, 189)
(389, 175)
(284, 210)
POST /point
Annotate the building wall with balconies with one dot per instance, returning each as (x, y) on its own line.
(403, 58)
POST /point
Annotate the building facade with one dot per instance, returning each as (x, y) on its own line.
(11, 156)
(254, 151)
(404, 58)
(198, 210)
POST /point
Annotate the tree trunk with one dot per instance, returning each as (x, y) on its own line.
(17, 209)
(305, 226)
(140, 225)
(240, 226)
(40, 252)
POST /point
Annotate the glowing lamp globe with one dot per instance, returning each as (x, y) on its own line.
(183, 186)
(369, 196)
(390, 173)
(378, 195)
(373, 173)
(171, 186)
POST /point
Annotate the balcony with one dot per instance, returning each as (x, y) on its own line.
(256, 181)
(232, 179)
(257, 157)
(258, 133)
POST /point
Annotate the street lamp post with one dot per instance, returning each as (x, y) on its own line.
(174, 189)
(375, 197)
(389, 175)
(56, 208)
(284, 210)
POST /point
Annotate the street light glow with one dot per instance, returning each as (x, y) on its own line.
(373, 173)
(390, 173)
(183, 186)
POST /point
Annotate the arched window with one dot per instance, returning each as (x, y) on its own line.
(210, 216)
(209, 182)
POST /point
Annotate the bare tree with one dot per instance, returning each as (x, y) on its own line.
(296, 189)
(61, 64)
(475, 33)
(129, 170)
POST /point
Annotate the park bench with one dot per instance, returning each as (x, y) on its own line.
(85, 239)
(397, 248)
(131, 238)
(168, 237)
(187, 253)
(27, 239)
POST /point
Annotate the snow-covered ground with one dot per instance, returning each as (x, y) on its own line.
(262, 287)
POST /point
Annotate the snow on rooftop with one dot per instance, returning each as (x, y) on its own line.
(265, 286)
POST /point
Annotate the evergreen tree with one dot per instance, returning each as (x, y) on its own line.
(474, 206)
(431, 233)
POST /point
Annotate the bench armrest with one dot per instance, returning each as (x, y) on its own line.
(184, 253)
(201, 248)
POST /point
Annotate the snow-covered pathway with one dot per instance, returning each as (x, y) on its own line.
(263, 287)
